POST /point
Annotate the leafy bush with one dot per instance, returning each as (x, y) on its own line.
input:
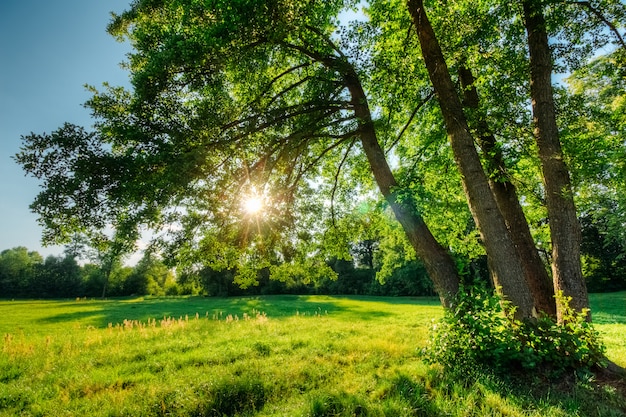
(474, 331)
(478, 331)
(572, 344)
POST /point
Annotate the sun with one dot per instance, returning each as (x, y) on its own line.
(253, 205)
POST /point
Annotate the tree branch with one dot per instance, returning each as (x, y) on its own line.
(326, 39)
(425, 100)
(302, 136)
(278, 77)
(602, 18)
(330, 62)
(288, 89)
(336, 180)
(288, 112)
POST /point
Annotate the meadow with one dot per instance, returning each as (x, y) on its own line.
(265, 356)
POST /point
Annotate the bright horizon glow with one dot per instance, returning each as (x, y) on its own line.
(253, 205)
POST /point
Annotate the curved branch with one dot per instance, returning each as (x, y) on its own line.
(602, 18)
(278, 77)
(336, 180)
(419, 106)
(328, 61)
(326, 39)
(303, 136)
(285, 113)
(288, 89)
(340, 139)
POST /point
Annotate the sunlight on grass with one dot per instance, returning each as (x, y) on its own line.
(254, 356)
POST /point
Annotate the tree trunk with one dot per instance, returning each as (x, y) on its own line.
(107, 275)
(564, 227)
(504, 262)
(504, 191)
(438, 262)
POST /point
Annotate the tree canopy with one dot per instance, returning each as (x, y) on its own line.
(434, 104)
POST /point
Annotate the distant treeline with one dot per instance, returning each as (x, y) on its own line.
(408, 280)
(26, 274)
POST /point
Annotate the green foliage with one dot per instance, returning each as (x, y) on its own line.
(572, 344)
(149, 277)
(603, 255)
(479, 332)
(474, 331)
(17, 266)
(594, 128)
(410, 278)
(57, 277)
(24, 274)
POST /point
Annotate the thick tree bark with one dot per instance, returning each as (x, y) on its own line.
(504, 262)
(564, 226)
(439, 264)
(504, 191)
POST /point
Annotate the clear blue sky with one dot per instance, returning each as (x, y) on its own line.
(49, 49)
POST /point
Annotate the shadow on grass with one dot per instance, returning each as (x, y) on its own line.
(101, 313)
(608, 308)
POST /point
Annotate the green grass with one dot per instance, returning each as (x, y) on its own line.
(262, 356)
(609, 316)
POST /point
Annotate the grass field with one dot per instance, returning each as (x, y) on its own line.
(265, 356)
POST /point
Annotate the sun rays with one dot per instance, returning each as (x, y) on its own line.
(252, 205)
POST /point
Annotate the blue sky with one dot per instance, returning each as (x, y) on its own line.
(48, 51)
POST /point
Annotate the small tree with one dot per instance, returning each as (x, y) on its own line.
(17, 266)
(149, 277)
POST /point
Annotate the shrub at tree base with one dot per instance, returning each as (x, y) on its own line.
(478, 332)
